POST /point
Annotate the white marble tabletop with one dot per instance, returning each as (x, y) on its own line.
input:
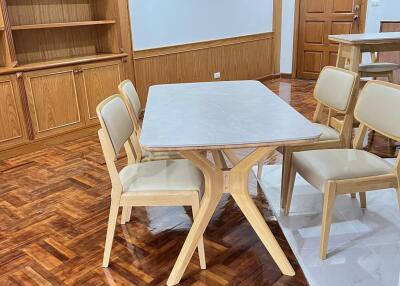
(217, 115)
(367, 37)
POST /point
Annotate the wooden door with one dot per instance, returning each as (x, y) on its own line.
(53, 101)
(12, 122)
(100, 80)
(319, 19)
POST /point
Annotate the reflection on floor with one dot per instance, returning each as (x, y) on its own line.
(364, 245)
(54, 207)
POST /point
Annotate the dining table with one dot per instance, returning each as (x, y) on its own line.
(217, 118)
(351, 48)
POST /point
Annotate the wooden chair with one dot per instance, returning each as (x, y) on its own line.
(348, 171)
(155, 183)
(385, 65)
(136, 154)
(335, 89)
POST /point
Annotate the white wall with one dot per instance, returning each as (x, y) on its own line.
(158, 23)
(288, 8)
(380, 10)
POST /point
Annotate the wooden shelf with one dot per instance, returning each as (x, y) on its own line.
(61, 25)
(60, 62)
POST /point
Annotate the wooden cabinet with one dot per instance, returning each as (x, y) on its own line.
(65, 99)
(53, 101)
(12, 123)
(100, 81)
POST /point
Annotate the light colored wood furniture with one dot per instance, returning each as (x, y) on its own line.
(133, 150)
(389, 65)
(348, 171)
(394, 56)
(158, 183)
(316, 20)
(335, 90)
(64, 57)
(128, 92)
(351, 46)
(218, 117)
(379, 68)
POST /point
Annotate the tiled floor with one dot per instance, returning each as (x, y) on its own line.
(364, 244)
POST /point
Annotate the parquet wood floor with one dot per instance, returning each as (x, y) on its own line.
(53, 215)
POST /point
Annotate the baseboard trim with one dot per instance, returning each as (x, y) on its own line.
(39, 144)
(275, 76)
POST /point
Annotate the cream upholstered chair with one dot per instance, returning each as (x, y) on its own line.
(136, 154)
(334, 90)
(345, 171)
(155, 183)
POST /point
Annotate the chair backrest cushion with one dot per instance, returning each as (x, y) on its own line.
(378, 107)
(335, 88)
(128, 89)
(115, 116)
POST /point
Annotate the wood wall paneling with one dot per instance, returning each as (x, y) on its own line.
(53, 101)
(249, 57)
(100, 82)
(12, 127)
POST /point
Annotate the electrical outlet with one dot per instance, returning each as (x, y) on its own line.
(217, 75)
(375, 3)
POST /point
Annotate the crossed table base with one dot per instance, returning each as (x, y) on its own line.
(220, 179)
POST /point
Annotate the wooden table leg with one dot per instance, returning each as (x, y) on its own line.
(212, 195)
(341, 60)
(235, 181)
(238, 186)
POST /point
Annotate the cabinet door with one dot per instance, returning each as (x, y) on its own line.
(100, 81)
(53, 101)
(12, 122)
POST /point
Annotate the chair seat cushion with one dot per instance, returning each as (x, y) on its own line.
(154, 156)
(165, 175)
(327, 133)
(320, 166)
(378, 67)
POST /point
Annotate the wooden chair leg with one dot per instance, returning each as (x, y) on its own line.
(290, 188)
(286, 166)
(200, 246)
(390, 77)
(398, 196)
(260, 168)
(126, 214)
(327, 215)
(112, 222)
(363, 199)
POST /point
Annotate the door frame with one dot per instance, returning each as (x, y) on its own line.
(363, 16)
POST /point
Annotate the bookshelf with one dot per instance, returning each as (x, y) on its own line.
(43, 31)
(58, 60)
